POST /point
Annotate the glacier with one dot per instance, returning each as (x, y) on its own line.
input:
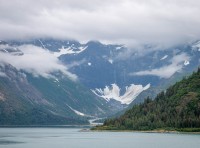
(113, 92)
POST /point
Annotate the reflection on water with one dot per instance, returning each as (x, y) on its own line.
(5, 142)
(73, 138)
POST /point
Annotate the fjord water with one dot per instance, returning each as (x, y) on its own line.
(74, 138)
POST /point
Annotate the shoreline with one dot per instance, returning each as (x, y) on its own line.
(87, 128)
(147, 131)
(151, 132)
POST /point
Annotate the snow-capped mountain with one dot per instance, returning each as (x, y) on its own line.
(69, 50)
(100, 66)
(31, 93)
(131, 73)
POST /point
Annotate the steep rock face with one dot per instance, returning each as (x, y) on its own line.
(22, 103)
(31, 98)
(65, 94)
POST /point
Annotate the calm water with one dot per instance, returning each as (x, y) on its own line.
(73, 138)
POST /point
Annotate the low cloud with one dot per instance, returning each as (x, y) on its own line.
(37, 61)
(177, 63)
(76, 63)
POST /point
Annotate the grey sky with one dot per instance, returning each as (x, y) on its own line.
(129, 22)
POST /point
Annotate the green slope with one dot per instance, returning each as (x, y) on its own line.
(67, 93)
(178, 109)
(29, 100)
(21, 104)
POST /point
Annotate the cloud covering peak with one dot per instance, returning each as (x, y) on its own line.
(115, 21)
(37, 61)
(177, 63)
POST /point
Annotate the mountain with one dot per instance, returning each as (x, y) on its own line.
(36, 100)
(29, 98)
(177, 108)
(114, 75)
(104, 68)
(111, 71)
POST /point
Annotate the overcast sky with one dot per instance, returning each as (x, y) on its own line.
(130, 22)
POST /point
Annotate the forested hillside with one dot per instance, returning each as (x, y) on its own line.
(176, 108)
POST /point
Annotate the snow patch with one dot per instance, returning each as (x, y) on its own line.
(70, 50)
(110, 61)
(56, 80)
(118, 48)
(164, 57)
(186, 62)
(113, 92)
(77, 112)
(80, 113)
(82, 48)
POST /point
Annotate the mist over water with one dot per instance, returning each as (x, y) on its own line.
(74, 138)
